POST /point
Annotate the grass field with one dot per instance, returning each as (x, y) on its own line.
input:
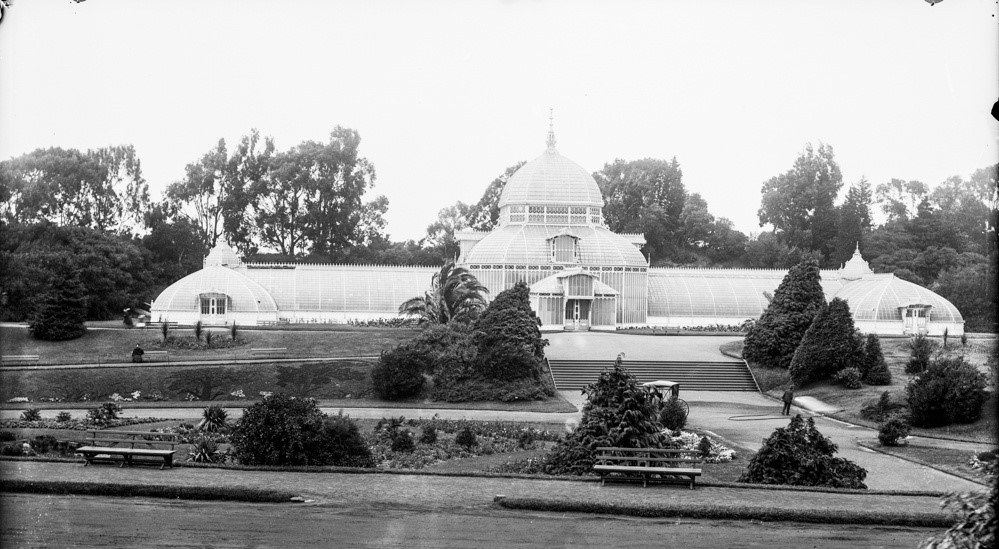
(105, 345)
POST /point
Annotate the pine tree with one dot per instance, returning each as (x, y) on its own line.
(508, 337)
(61, 311)
(829, 345)
(773, 339)
(875, 370)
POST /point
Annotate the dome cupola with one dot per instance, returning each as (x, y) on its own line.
(856, 268)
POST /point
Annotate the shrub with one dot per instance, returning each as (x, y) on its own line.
(830, 344)
(920, 350)
(976, 523)
(429, 435)
(402, 441)
(949, 391)
(43, 443)
(31, 414)
(103, 413)
(849, 377)
(526, 438)
(14, 450)
(874, 369)
(399, 373)
(773, 339)
(214, 419)
(7, 436)
(165, 330)
(800, 455)
(283, 430)
(672, 415)
(704, 447)
(892, 430)
(63, 416)
(305, 379)
(197, 330)
(964, 340)
(206, 383)
(209, 338)
(882, 409)
(233, 331)
(618, 412)
(205, 450)
(466, 438)
(879, 374)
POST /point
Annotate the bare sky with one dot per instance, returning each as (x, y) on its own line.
(446, 95)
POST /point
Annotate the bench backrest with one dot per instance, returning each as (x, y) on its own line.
(99, 437)
(650, 456)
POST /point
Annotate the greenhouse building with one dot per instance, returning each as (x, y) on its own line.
(551, 235)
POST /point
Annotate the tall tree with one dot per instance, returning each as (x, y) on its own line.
(854, 220)
(214, 192)
(800, 203)
(102, 189)
(484, 214)
(311, 201)
(899, 199)
(645, 196)
(775, 336)
(830, 344)
(440, 233)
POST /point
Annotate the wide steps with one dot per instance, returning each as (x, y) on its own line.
(692, 376)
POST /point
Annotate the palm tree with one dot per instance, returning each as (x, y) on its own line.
(455, 294)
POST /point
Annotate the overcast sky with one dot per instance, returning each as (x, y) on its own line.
(446, 95)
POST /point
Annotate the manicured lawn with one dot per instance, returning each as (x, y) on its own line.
(115, 345)
(947, 459)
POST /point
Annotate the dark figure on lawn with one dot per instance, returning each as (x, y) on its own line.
(787, 398)
(137, 353)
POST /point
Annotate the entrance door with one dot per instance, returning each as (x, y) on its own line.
(915, 320)
(577, 314)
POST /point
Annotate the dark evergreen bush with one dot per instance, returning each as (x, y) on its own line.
(466, 438)
(283, 430)
(773, 339)
(508, 337)
(800, 455)
(704, 446)
(429, 435)
(618, 412)
(921, 350)
(873, 364)
(673, 416)
(61, 311)
(949, 391)
(893, 430)
(849, 377)
(399, 373)
(63, 416)
(829, 346)
(402, 441)
(7, 436)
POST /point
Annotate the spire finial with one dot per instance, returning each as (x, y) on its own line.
(857, 251)
(551, 128)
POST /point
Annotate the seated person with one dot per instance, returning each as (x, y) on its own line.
(137, 353)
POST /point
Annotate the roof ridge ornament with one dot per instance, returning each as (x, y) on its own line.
(551, 129)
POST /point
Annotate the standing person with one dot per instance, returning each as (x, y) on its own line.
(137, 353)
(787, 398)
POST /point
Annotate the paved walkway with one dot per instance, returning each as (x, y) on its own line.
(451, 493)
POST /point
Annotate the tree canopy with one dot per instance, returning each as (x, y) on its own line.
(774, 338)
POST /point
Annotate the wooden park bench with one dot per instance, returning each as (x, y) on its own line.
(125, 446)
(269, 351)
(273, 322)
(648, 464)
(19, 359)
(149, 355)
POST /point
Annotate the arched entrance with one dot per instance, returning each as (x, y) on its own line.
(915, 318)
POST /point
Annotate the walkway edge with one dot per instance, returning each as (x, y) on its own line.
(740, 512)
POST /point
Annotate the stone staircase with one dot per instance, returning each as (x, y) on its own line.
(692, 376)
